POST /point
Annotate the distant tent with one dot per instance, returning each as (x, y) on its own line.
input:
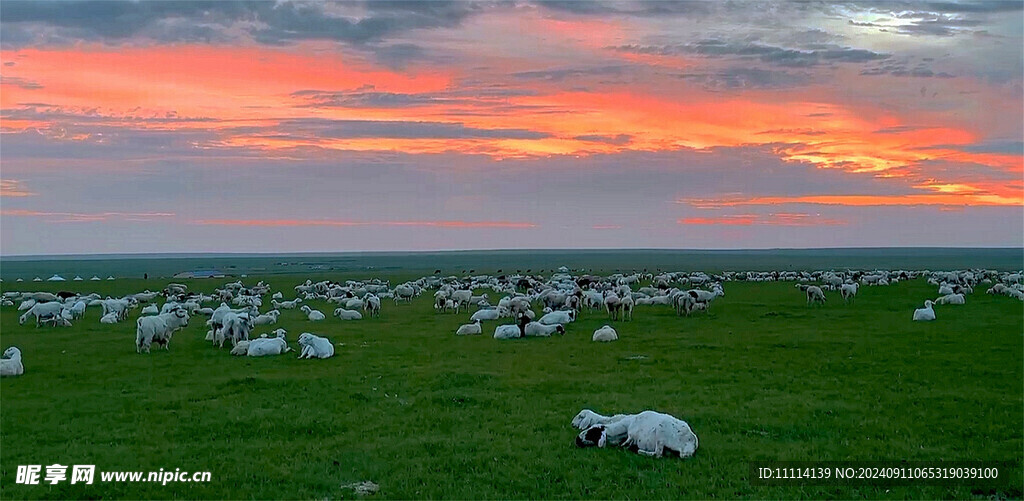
(37, 279)
(20, 280)
(94, 277)
(56, 278)
(77, 278)
(110, 277)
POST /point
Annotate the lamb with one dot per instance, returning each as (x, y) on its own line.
(110, 318)
(314, 346)
(10, 364)
(344, 314)
(951, 299)
(540, 330)
(469, 329)
(815, 295)
(848, 291)
(606, 333)
(926, 313)
(313, 315)
(158, 329)
(558, 317)
(265, 346)
(650, 433)
(151, 310)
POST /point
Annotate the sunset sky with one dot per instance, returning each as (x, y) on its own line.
(303, 126)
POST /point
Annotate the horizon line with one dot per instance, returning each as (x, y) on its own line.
(143, 255)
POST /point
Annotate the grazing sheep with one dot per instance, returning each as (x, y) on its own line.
(951, 299)
(42, 310)
(10, 364)
(313, 315)
(344, 314)
(849, 292)
(234, 326)
(650, 433)
(469, 329)
(538, 329)
(612, 305)
(314, 346)
(926, 313)
(815, 295)
(605, 333)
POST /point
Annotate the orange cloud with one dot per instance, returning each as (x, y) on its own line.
(943, 199)
(777, 219)
(13, 188)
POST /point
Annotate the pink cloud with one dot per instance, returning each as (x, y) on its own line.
(337, 222)
(776, 219)
(82, 217)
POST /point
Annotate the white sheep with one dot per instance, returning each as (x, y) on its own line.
(313, 315)
(558, 317)
(469, 329)
(815, 295)
(951, 299)
(486, 314)
(926, 313)
(344, 314)
(314, 346)
(110, 318)
(266, 346)
(10, 364)
(240, 349)
(848, 291)
(150, 310)
(268, 318)
(158, 329)
(606, 333)
(540, 330)
(372, 305)
(650, 433)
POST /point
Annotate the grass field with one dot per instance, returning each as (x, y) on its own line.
(425, 414)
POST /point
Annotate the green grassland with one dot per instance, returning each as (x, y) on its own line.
(425, 414)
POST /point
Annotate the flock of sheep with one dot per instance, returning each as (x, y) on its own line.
(562, 298)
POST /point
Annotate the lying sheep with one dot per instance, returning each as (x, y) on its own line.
(951, 299)
(267, 346)
(314, 346)
(344, 314)
(537, 329)
(469, 329)
(10, 364)
(926, 313)
(606, 333)
(649, 433)
(240, 349)
(313, 315)
(558, 317)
